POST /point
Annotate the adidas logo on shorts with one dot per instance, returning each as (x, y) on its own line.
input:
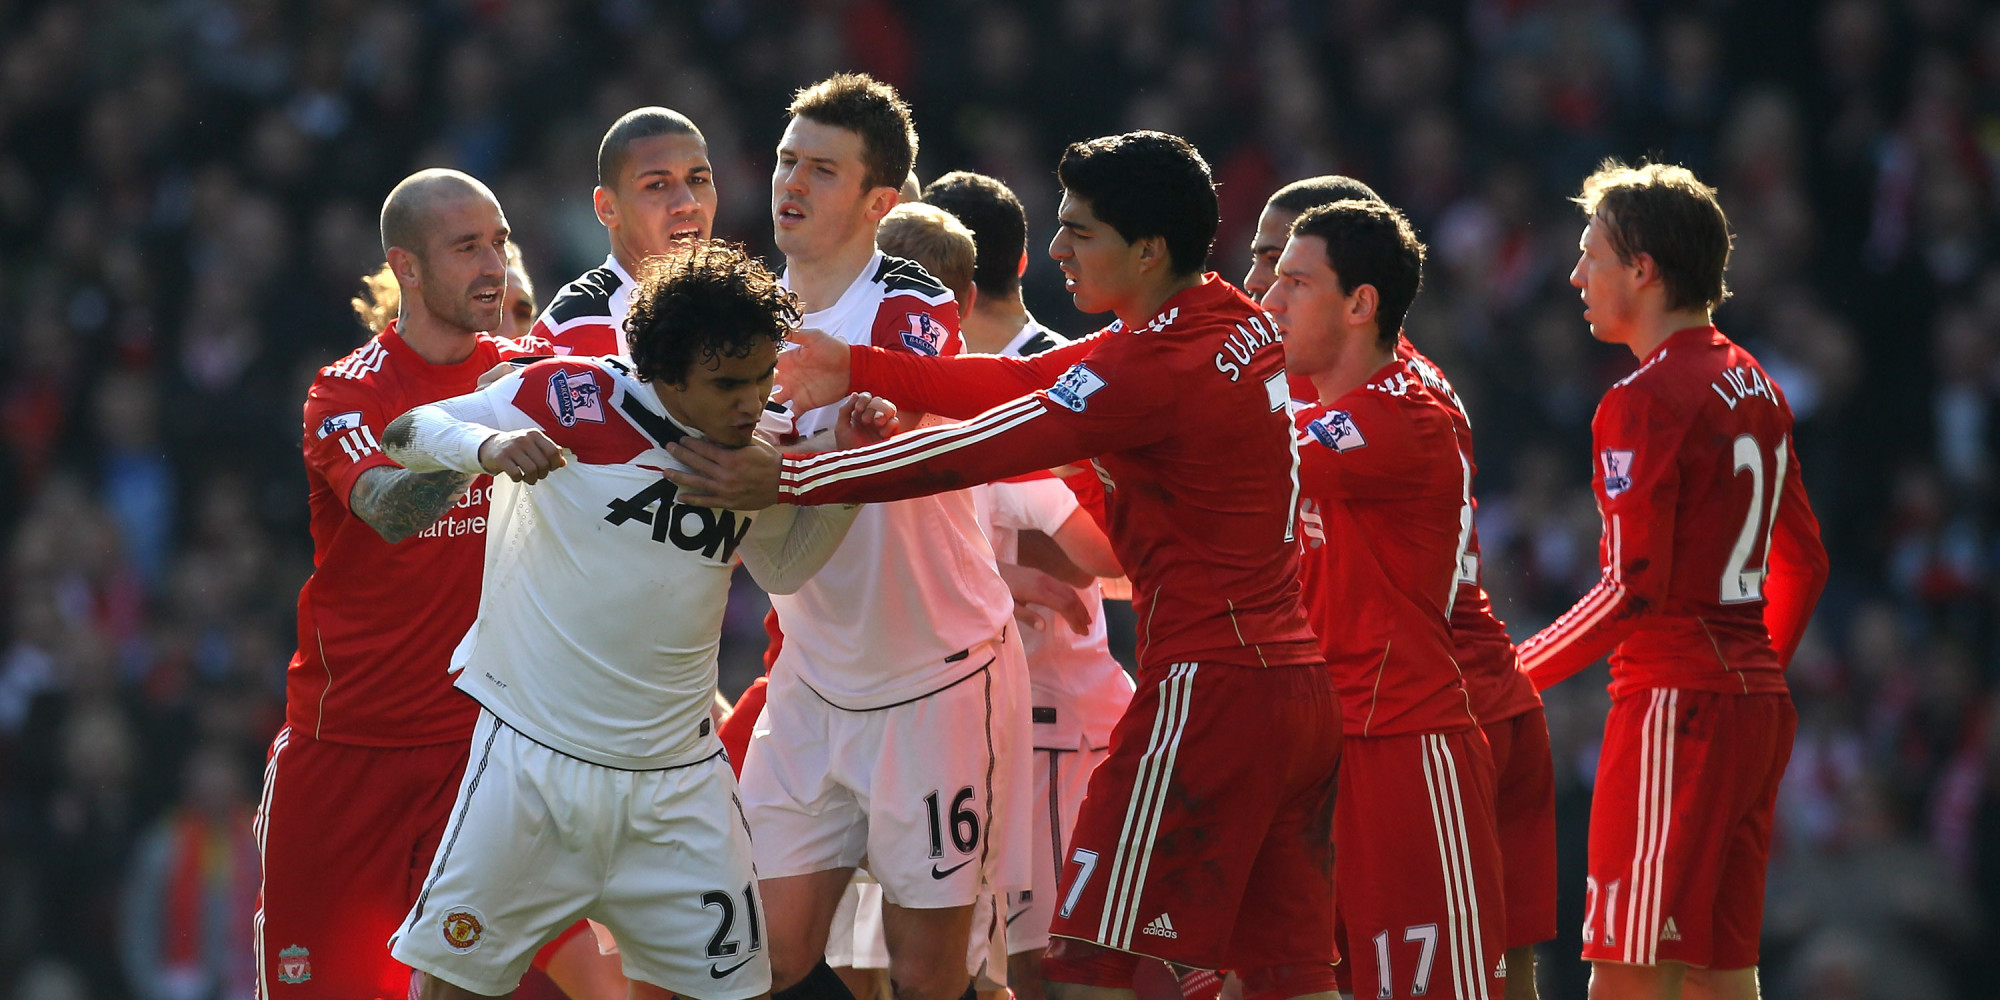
(1669, 932)
(1161, 927)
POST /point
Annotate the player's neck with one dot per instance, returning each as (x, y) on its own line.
(624, 255)
(1653, 329)
(993, 323)
(433, 339)
(1360, 358)
(819, 282)
(1140, 309)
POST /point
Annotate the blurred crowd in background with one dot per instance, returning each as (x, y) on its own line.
(188, 198)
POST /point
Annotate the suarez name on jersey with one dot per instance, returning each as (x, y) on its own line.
(1184, 420)
(1711, 554)
(377, 622)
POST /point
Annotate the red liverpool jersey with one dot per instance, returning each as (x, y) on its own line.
(1184, 420)
(1387, 511)
(1485, 653)
(378, 622)
(1712, 559)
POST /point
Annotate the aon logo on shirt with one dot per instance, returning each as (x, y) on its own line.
(713, 533)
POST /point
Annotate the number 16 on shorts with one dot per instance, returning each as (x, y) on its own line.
(959, 821)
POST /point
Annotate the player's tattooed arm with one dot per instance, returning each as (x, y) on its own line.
(398, 503)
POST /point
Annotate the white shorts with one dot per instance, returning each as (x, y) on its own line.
(857, 939)
(929, 794)
(539, 840)
(1060, 777)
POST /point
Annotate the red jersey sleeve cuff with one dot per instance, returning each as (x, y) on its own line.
(343, 487)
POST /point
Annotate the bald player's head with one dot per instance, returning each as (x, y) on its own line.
(446, 241)
(411, 210)
(639, 123)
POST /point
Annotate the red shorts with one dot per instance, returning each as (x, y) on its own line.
(1418, 866)
(1524, 808)
(1680, 826)
(1203, 838)
(347, 835)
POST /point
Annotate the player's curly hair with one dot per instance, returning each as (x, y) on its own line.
(381, 297)
(710, 301)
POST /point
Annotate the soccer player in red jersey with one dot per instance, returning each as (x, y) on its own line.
(1503, 699)
(1193, 844)
(1387, 514)
(1712, 565)
(655, 187)
(360, 779)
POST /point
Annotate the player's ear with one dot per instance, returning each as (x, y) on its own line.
(1362, 305)
(881, 200)
(403, 264)
(1153, 253)
(605, 204)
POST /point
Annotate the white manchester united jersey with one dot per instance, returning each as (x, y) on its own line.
(892, 613)
(601, 614)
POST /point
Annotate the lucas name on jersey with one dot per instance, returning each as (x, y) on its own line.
(1742, 383)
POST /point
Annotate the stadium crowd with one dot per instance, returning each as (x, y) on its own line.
(188, 192)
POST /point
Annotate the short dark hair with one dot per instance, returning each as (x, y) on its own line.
(1322, 190)
(872, 110)
(711, 301)
(1370, 243)
(1147, 184)
(640, 123)
(999, 226)
(1667, 213)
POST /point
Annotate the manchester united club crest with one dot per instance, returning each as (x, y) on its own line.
(295, 965)
(462, 928)
(925, 335)
(575, 396)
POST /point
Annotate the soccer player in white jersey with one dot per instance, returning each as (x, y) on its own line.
(1036, 527)
(597, 787)
(896, 727)
(655, 189)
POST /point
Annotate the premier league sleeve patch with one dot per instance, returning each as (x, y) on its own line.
(339, 422)
(1617, 471)
(574, 396)
(1074, 388)
(1336, 430)
(923, 334)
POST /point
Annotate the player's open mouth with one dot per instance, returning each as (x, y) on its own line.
(488, 297)
(790, 214)
(686, 232)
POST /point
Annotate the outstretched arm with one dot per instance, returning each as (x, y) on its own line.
(820, 369)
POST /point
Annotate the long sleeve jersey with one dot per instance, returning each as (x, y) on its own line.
(1486, 658)
(601, 619)
(1387, 515)
(1711, 554)
(1184, 420)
